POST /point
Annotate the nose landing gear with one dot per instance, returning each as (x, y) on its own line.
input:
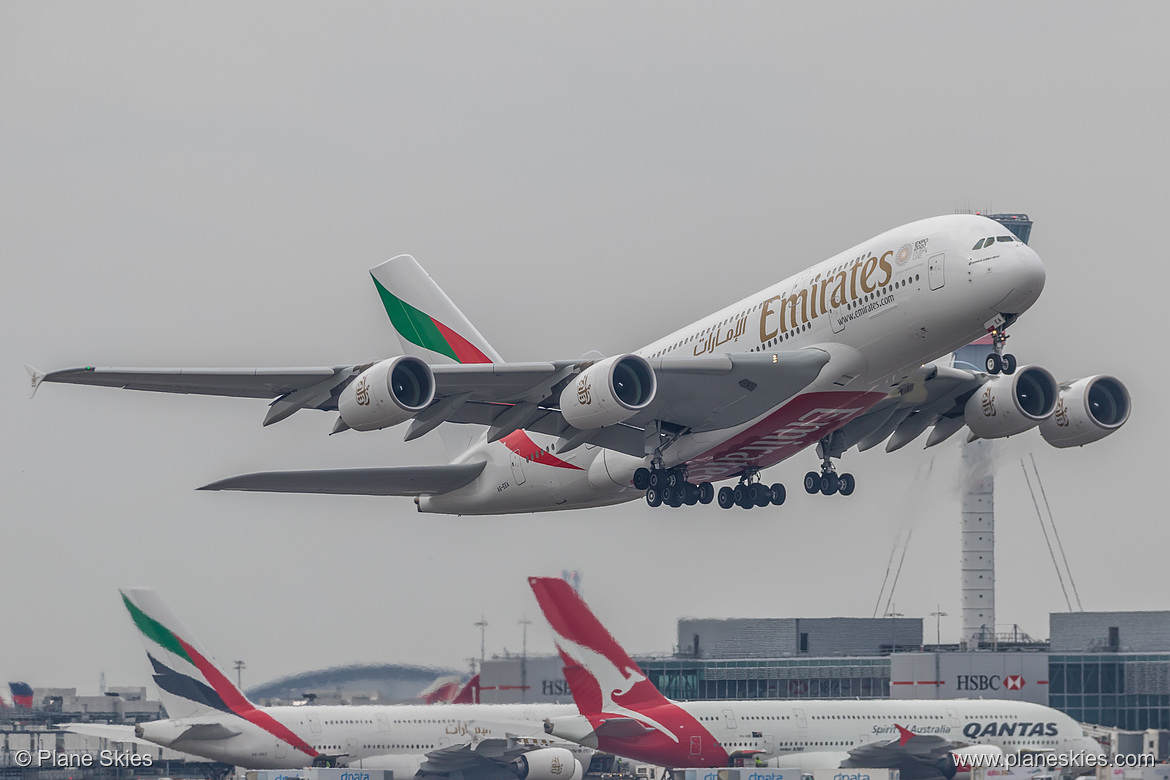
(997, 361)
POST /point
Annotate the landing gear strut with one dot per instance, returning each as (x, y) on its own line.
(828, 481)
(997, 361)
(751, 492)
(670, 487)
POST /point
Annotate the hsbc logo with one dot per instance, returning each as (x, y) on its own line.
(988, 682)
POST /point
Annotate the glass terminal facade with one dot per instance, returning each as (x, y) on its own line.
(772, 678)
(1103, 688)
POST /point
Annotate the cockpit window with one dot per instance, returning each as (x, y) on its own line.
(978, 244)
(1005, 238)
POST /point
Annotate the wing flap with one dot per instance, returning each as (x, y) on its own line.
(399, 481)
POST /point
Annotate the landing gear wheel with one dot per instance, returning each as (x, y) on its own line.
(726, 497)
(777, 494)
(654, 496)
(993, 364)
(847, 483)
(830, 483)
(641, 479)
(741, 494)
(657, 478)
(812, 482)
(1009, 364)
(759, 494)
(690, 494)
(675, 500)
(673, 479)
(706, 492)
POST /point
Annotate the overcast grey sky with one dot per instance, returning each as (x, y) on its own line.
(207, 184)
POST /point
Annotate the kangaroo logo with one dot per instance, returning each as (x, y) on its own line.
(1061, 414)
(988, 403)
(613, 681)
(363, 392)
(583, 395)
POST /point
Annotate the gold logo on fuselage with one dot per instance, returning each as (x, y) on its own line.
(822, 295)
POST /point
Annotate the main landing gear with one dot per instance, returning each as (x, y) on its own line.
(828, 481)
(997, 361)
(670, 487)
(751, 492)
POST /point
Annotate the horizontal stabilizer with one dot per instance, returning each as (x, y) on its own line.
(621, 728)
(112, 732)
(207, 731)
(401, 481)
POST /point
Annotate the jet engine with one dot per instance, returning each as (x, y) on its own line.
(1087, 410)
(609, 392)
(387, 393)
(551, 763)
(1011, 403)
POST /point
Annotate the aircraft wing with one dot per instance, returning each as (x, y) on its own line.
(402, 481)
(112, 732)
(917, 757)
(933, 395)
(486, 756)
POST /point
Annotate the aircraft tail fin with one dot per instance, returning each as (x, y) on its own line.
(602, 675)
(469, 693)
(429, 325)
(189, 682)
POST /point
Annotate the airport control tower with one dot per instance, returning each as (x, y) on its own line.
(977, 526)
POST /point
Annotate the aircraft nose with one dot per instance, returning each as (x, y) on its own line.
(1022, 277)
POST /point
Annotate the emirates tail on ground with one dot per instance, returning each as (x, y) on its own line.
(621, 712)
(211, 718)
(837, 356)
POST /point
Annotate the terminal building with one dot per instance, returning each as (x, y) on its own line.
(1110, 669)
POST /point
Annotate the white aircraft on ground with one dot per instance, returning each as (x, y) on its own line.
(621, 712)
(210, 717)
(834, 356)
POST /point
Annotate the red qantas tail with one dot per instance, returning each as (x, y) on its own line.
(600, 673)
(469, 693)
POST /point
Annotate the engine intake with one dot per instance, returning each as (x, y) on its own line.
(1088, 409)
(609, 392)
(551, 763)
(1010, 404)
(387, 393)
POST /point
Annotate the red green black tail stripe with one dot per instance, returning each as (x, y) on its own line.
(228, 694)
(421, 329)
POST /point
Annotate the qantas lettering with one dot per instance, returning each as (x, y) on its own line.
(1007, 729)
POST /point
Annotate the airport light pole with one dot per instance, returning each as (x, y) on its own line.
(938, 615)
(482, 624)
(240, 666)
(525, 623)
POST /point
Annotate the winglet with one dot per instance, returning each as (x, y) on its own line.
(36, 376)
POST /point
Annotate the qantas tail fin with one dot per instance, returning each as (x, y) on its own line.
(602, 676)
(189, 682)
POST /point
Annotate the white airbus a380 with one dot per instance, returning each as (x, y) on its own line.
(836, 356)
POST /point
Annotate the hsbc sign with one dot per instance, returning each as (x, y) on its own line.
(988, 682)
(958, 675)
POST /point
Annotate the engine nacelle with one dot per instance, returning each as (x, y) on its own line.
(609, 392)
(387, 393)
(1012, 403)
(1088, 409)
(551, 763)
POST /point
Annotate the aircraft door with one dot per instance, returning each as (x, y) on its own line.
(281, 748)
(837, 316)
(517, 469)
(314, 722)
(351, 750)
(934, 270)
(729, 719)
(801, 722)
(383, 722)
(696, 746)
